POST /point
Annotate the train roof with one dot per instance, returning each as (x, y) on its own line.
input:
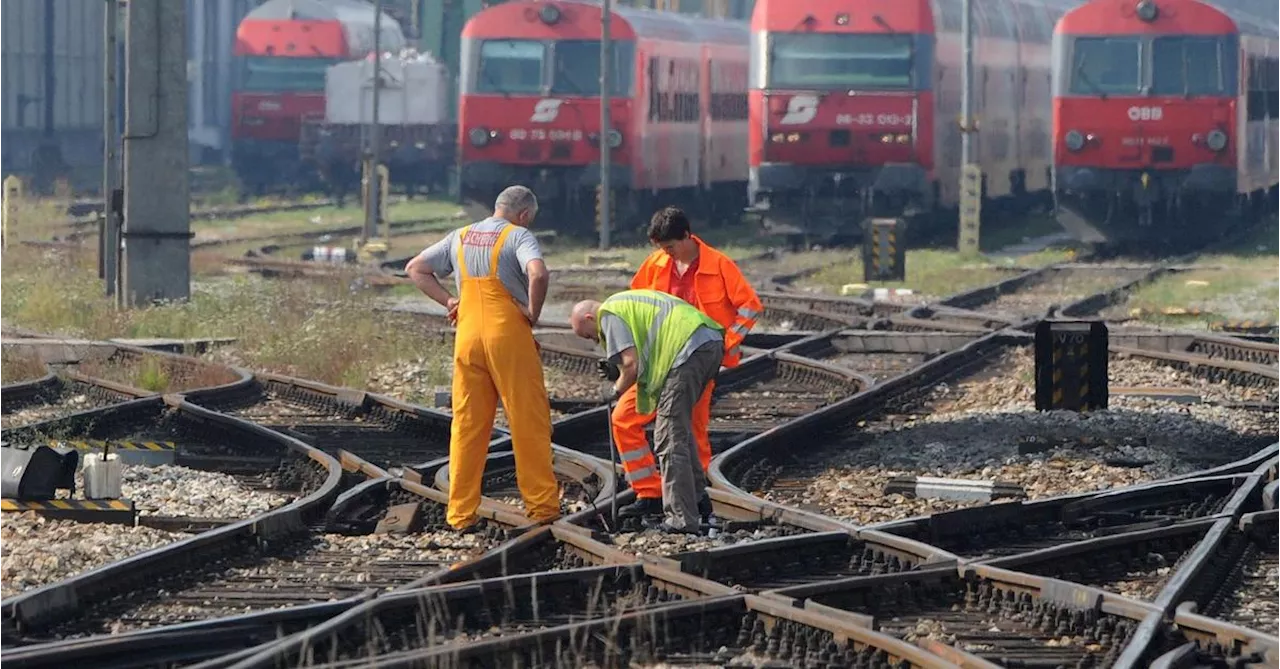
(892, 15)
(1193, 17)
(520, 17)
(347, 11)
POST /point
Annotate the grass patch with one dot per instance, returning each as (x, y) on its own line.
(18, 366)
(157, 374)
(1239, 283)
(935, 272)
(317, 328)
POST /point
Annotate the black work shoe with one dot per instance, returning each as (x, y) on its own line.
(667, 528)
(645, 506)
(704, 509)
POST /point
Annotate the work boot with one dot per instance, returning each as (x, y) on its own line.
(667, 528)
(645, 506)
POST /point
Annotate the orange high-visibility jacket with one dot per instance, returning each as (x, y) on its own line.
(723, 293)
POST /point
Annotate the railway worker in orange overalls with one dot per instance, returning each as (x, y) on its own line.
(694, 271)
(502, 283)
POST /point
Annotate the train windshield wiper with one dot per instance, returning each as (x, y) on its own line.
(1079, 74)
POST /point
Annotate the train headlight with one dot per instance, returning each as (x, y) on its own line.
(550, 14)
(1216, 140)
(478, 136)
(614, 138)
(1147, 11)
(1074, 140)
(903, 139)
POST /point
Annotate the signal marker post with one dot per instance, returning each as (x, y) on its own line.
(12, 195)
(604, 206)
(884, 254)
(970, 196)
(1071, 365)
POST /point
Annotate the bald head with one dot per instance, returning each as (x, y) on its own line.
(583, 319)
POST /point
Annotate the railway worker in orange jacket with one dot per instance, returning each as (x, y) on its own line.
(502, 283)
(687, 267)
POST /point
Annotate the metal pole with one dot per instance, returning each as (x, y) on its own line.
(108, 232)
(606, 62)
(966, 84)
(375, 136)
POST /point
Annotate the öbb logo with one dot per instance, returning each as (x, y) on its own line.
(800, 109)
(546, 110)
(1146, 113)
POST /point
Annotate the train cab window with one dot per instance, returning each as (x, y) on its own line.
(510, 66)
(1191, 66)
(576, 67)
(267, 73)
(1106, 65)
(826, 60)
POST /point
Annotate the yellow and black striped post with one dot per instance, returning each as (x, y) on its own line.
(1071, 365)
(80, 510)
(884, 251)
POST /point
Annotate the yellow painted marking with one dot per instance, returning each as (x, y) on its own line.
(60, 504)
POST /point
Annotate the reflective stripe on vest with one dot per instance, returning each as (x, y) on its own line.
(661, 325)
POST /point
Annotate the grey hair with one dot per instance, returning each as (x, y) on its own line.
(516, 199)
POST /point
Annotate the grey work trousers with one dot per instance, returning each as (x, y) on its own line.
(683, 480)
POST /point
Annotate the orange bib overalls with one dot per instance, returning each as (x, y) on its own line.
(494, 356)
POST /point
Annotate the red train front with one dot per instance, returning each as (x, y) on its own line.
(529, 111)
(283, 49)
(1164, 118)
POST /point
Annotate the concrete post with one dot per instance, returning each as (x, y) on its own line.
(606, 160)
(109, 230)
(157, 218)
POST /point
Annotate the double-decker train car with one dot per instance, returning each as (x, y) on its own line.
(530, 109)
(284, 48)
(855, 109)
(1164, 118)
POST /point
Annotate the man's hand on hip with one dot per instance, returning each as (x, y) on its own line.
(451, 307)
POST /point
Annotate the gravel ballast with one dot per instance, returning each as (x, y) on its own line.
(972, 430)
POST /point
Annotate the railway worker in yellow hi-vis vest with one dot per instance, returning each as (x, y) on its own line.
(670, 351)
(502, 283)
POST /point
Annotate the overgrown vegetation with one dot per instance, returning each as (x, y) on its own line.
(319, 329)
(17, 366)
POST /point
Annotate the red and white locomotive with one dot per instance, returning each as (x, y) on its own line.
(855, 109)
(529, 108)
(1164, 118)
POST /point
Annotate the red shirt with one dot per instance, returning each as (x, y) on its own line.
(683, 286)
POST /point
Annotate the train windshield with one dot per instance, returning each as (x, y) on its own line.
(510, 66)
(825, 60)
(1106, 65)
(1189, 66)
(268, 74)
(576, 69)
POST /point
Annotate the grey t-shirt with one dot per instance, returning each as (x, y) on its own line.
(520, 248)
(617, 338)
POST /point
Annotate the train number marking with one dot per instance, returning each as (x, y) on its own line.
(800, 109)
(873, 119)
(1146, 113)
(546, 110)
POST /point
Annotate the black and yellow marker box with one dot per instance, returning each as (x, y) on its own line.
(884, 249)
(80, 510)
(1071, 366)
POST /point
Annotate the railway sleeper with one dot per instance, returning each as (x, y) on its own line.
(1010, 619)
(1001, 530)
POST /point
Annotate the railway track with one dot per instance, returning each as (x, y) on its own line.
(685, 626)
(878, 355)
(989, 533)
(263, 462)
(970, 390)
(1003, 617)
(387, 433)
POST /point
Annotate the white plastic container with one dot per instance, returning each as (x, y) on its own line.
(414, 91)
(103, 479)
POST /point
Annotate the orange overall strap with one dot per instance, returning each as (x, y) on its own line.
(462, 257)
(497, 249)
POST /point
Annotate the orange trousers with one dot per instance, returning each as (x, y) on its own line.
(638, 461)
